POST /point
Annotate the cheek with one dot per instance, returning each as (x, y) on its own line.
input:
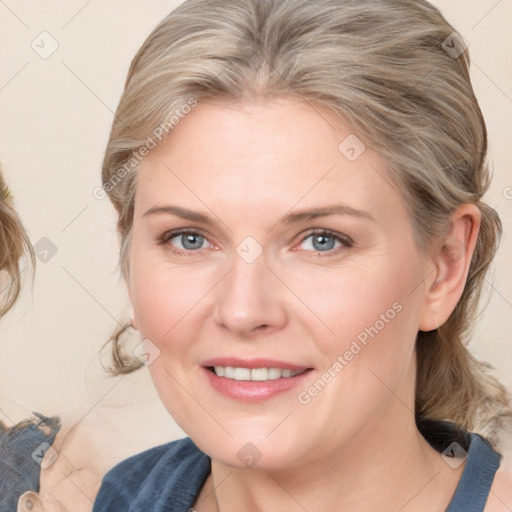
(365, 330)
(164, 298)
(166, 303)
(361, 302)
(368, 359)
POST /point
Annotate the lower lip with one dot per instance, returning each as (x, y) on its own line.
(253, 391)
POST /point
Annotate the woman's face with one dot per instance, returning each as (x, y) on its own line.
(297, 257)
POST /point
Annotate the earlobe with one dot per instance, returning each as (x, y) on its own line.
(132, 318)
(30, 501)
(452, 260)
(133, 323)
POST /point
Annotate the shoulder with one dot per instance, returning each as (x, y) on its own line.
(172, 453)
(152, 471)
(500, 497)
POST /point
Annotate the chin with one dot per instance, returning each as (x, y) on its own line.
(253, 452)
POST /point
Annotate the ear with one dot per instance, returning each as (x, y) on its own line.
(30, 502)
(452, 260)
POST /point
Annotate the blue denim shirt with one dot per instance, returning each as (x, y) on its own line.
(168, 478)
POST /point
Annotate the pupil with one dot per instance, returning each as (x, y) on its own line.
(323, 243)
(192, 241)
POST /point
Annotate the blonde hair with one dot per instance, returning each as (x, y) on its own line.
(380, 65)
(16, 254)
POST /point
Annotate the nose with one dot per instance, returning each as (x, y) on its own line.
(250, 300)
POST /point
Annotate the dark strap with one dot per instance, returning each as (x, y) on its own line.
(476, 481)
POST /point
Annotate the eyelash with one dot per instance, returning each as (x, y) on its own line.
(346, 241)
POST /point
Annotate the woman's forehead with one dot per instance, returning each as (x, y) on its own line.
(277, 125)
(265, 154)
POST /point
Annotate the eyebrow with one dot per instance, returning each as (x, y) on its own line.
(335, 209)
(290, 218)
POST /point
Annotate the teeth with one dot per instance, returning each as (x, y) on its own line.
(242, 374)
(255, 374)
(259, 374)
(274, 373)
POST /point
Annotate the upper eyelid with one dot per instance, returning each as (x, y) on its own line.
(170, 233)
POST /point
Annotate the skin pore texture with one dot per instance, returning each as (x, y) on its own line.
(317, 284)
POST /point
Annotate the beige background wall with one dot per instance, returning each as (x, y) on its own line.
(55, 118)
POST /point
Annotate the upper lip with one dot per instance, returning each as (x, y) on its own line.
(254, 363)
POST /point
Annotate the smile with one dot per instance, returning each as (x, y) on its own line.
(254, 374)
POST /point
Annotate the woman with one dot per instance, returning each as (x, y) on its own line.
(37, 460)
(20, 443)
(299, 187)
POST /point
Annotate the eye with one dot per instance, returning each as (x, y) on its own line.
(187, 242)
(324, 241)
(183, 242)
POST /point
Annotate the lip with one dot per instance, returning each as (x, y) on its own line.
(253, 391)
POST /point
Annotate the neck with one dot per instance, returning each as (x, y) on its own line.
(384, 468)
